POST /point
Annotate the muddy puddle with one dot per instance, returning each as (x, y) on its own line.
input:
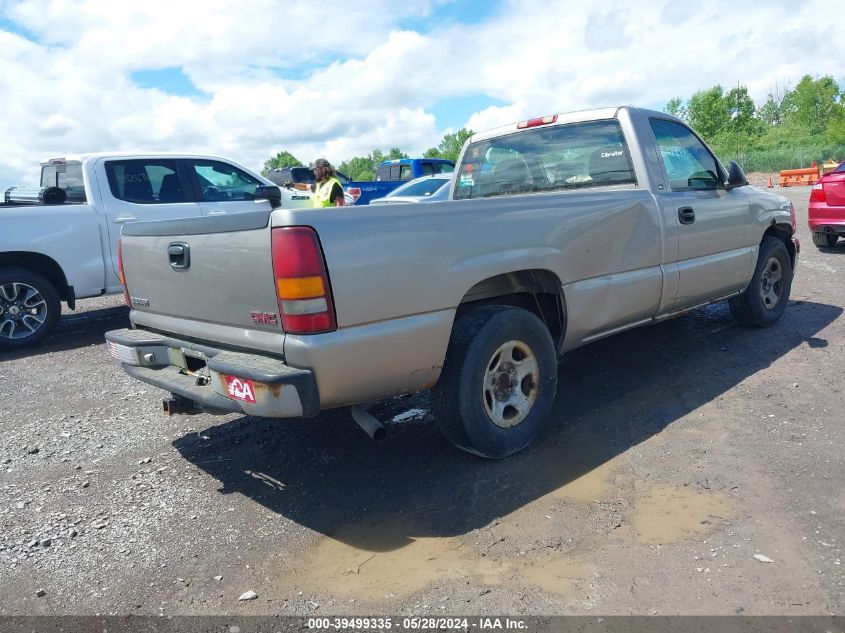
(353, 564)
(668, 514)
(399, 556)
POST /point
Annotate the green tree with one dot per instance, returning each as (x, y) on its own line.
(724, 118)
(813, 104)
(771, 112)
(741, 110)
(394, 154)
(675, 107)
(708, 112)
(364, 167)
(358, 168)
(835, 131)
(280, 161)
(450, 146)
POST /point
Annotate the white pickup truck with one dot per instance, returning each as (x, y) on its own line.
(65, 247)
(559, 230)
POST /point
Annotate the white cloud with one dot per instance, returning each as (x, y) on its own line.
(338, 79)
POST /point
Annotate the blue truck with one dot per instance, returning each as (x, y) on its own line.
(392, 173)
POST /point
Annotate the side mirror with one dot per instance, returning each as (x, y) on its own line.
(271, 193)
(736, 177)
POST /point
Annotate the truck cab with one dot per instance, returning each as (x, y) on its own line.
(63, 248)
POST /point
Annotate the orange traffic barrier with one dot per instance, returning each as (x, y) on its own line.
(828, 166)
(792, 177)
(770, 185)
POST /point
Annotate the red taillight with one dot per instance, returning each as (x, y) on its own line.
(355, 192)
(302, 284)
(543, 120)
(120, 274)
(793, 218)
(817, 193)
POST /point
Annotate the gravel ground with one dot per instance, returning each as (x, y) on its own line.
(693, 467)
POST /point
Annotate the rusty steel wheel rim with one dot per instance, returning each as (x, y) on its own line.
(771, 283)
(511, 384)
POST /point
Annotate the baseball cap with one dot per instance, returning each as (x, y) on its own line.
(320, 162)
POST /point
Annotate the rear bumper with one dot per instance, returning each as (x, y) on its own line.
(218, 381)
(821, 216)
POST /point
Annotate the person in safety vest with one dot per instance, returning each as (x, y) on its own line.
(328, 192)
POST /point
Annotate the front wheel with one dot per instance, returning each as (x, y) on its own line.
(29, 308)
(765, 299)
(498, 382)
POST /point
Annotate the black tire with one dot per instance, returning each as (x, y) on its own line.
(26, 318)
(765, 299)
(825, 240)
(472, 386)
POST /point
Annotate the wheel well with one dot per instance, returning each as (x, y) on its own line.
(44, 265)
(536, 290)
(783, 232)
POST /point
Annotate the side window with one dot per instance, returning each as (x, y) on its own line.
(145, 181)
(394, 172)
(541, 159)
(428, 169)
(221, 182)
(689, 165)
(405, 172)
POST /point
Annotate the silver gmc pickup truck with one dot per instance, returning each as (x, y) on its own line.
(558, 231)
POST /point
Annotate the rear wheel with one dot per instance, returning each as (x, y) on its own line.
(765, 299)
(498, 382)
(825, 240)
(29, 308)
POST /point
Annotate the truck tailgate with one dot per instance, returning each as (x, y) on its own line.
(208, 278)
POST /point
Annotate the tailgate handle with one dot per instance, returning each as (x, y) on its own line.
(179, 255)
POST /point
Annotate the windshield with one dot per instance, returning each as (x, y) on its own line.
(589, 154)
(67, 176)
(423, 187)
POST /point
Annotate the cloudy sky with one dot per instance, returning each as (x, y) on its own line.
(249, 78)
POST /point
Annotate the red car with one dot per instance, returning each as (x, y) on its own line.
(826, 215)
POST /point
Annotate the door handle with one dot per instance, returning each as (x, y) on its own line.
(123, 219)
(686, 215)
(179, 255)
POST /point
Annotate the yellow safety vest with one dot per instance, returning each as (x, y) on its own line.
(323, 192)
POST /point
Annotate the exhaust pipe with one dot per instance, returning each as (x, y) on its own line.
(177, 405)
(368, 422)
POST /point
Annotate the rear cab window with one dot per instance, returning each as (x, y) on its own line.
(145, 181)
(302, 175)
(559, 158)
(383, 173)
(67, 176)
